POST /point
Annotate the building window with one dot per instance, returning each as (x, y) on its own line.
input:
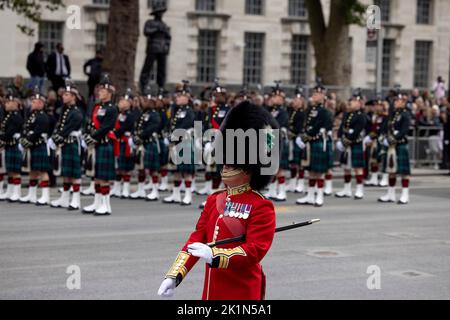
(385, 9)
(205, 5)
(297, 8)
(254, 7)
(423, 12)
(388, 57)
(50, 34)
(422, 59)
(253, 58)
(102, 2)
(299, 59)
(207, 55)
(101, 35)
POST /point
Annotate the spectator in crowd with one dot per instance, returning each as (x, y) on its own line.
(18, 86)
(431, 118)
(445, 115)
(36, 67)
(439, 89)
(58, 67)
(93, 69)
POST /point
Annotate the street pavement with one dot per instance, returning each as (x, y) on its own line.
(126, 255)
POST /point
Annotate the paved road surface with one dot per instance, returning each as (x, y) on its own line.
(125, 256)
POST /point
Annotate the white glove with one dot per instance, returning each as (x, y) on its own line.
(198, 144)
(340, 146)
(16, 136)
(166, 141)
(299, 142)
(201, 251)
(367, 140)
(20, 148)
(51, 144)
(131, 143)
(83, 144)
(208, 147)
(386, 142)
(446, 142)
(167, 288)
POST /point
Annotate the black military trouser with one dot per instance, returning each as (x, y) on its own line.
(160, 58)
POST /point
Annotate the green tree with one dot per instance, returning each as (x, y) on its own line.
(331, 42)
(30, 9)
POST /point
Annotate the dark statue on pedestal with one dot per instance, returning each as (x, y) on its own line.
(158, 46)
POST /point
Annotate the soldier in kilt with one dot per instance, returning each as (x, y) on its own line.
(330, 106)
(36, 159)
(296, 120)
(123, 131)
(313, 141)
(90, 191)
(105, 144)
(147, 148)
(277, 189)
(11, 157)
(375, 122)
(66, 141)
(350, 144)
(397, 159)
(216, 114)
(163, 103)
(182, 117)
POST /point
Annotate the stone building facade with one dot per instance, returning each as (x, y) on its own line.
(254, 41)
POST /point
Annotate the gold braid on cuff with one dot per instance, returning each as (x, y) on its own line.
(221, 257)
(178, 271)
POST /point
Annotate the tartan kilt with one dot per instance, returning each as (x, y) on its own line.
(164, 155)
(13, 159)
(284, 159)
(152, 159)
(40, 160)
(320, 161)
(105, 168)
(330, 151)
(403, 161)
(297, 155)
(70, 161)
(125, 163)
(357, 154)
(186, 168)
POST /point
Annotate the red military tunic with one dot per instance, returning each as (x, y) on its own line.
(236, 272)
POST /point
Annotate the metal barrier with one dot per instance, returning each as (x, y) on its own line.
(421, 145)
(426, 149)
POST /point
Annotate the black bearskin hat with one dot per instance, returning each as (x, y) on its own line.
(247, 116)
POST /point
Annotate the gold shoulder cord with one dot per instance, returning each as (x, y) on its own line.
(178, 271)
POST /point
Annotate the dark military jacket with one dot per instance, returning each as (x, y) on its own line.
(106, 115)
(352, 127)
(398, 126)
(10, 125)
(216, 115)
(182, 117)
(147, 125)
(316, 119)
(36, 128)
(281, 115)
(296, 121)
(124, 124)
(71, 120)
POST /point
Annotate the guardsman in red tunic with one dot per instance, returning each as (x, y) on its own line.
(233, 271)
